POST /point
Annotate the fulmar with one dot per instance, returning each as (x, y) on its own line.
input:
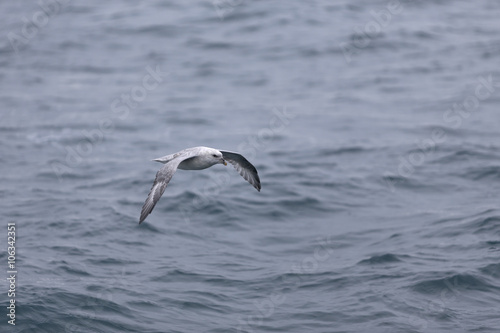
(196, 158)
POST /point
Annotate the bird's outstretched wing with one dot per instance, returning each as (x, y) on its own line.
(245, 168)
(162, 179)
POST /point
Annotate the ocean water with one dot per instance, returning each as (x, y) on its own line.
(374, 126)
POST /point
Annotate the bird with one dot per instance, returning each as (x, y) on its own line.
(195, 158)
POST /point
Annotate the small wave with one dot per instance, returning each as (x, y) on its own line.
(456, 283)
(469, 227)
(70, 250)
(381, 259)
(492, 270)
(110, 261)
(66, 269)
(491, 172)
(463, 155)
(341, 151)
(188, 121)
(424, 35)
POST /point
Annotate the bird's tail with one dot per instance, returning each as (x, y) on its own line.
(164, 159)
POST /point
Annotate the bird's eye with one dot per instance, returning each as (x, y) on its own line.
(214, 155)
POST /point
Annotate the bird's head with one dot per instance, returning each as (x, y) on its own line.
(216, 157)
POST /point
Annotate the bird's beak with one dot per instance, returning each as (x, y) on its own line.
(224, 162)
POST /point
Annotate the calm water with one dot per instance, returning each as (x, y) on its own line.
(379, 207)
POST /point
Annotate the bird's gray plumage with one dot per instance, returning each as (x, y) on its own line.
(245, 168)
(162, 179)
(195, 158)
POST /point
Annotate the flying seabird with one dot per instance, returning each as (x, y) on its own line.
(196, 158)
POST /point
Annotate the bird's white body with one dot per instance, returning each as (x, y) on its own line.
(196, 163)
(205, 157)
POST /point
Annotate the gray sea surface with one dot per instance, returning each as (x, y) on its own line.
(374, 126)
